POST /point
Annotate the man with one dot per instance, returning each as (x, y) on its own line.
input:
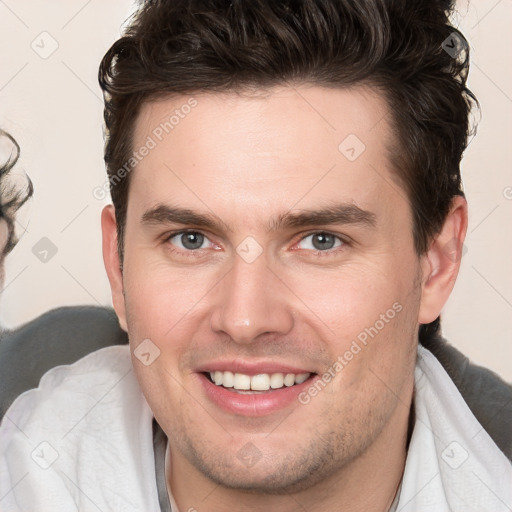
(287, 223)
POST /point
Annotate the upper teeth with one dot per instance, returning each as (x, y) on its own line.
(261, 382)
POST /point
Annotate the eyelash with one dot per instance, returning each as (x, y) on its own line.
(197, 252)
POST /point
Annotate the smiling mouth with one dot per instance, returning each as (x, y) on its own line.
(253, 384)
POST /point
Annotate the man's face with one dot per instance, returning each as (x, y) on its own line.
(268, 286)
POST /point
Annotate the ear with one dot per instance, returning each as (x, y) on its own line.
(440, 265)
(112, 263)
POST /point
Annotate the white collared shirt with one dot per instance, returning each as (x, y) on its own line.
(83, 441)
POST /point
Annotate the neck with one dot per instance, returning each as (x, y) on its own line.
(369, 482)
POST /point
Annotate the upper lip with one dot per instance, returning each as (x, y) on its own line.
(251, 367)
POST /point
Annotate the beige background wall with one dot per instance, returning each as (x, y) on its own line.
(52, 104)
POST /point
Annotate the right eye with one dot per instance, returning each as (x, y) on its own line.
(188, 240)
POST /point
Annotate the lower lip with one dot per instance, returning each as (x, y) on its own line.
(257, 404)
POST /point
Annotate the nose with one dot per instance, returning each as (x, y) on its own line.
(252, 301)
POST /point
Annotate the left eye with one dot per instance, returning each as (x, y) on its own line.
(320, 242)
(189, 240)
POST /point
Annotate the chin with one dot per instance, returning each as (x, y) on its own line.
(265, 473)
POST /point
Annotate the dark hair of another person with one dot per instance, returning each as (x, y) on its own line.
(406, 50)
(12, 197)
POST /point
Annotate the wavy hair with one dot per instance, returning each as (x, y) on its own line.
(12, 197)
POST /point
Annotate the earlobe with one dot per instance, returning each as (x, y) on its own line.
(112, 262)
(440, 265)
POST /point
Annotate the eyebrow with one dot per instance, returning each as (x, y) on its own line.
(344, 213)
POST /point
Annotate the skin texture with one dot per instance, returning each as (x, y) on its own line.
(246, 160)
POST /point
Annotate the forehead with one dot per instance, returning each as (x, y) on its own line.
(251, 154)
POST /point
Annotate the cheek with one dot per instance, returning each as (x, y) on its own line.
(158, 299)
(371, 315)
(162, 306)
(350, 299)
(372, 346)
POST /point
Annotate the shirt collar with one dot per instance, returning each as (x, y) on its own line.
(452, 463)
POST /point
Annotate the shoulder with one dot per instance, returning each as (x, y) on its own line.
(58, 337)
(66, 391)
(78, 433)
(487, 395)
